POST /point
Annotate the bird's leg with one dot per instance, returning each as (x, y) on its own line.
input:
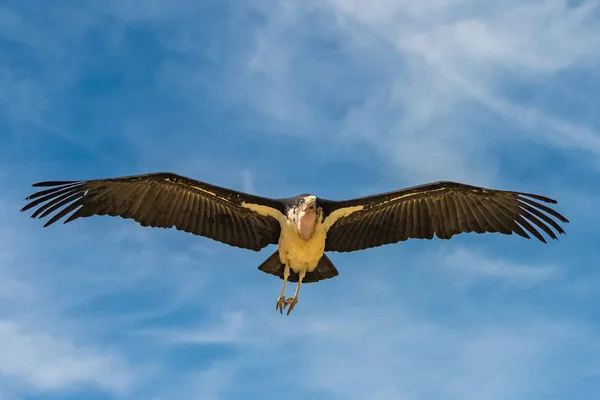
(292, 301)
(281, 302)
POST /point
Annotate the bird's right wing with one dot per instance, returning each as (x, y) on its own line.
(166, 200)
(443, 209)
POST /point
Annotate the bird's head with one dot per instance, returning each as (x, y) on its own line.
(306, 216)
(308, 203)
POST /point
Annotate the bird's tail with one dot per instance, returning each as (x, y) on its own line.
(325, 269)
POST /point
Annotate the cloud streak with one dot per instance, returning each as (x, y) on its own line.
(48, 363)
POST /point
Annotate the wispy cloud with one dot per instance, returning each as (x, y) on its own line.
(462, 260)
(487, 354)
(248, 181)
(425, 68)
(48, 363)
(229, 331)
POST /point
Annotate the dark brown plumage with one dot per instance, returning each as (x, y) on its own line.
(325, 269)
(165, 200)
(162, 200)
(442, 209)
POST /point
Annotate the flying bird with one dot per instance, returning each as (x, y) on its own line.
(305, 226)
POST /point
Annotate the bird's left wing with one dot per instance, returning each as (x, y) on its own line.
(442, 209)
(165, 200)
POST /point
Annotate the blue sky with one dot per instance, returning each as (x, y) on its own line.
(341, 98)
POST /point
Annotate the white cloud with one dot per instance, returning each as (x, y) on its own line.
(47, 345)
(499, 360)
(38, 353)
(474, 263)
(472, 50)
(433, 64)
(386, 350)
(427, 66)
(49, 363)
(248, 181)
(228, 331)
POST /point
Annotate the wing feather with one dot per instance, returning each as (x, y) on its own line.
(525, 224)
(64, 212)
(543, 216)
(163, 200)
(441, 209)
(481, 224)
(487, 211)
(400, 211)
(447, 220)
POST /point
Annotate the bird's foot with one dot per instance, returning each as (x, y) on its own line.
(292, 301)
(281, 304)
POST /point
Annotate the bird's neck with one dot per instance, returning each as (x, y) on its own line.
(306, 224)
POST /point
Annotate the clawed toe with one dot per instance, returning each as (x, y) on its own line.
(282, 303)
(292, 301)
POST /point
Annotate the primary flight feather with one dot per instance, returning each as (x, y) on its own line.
(304, 226)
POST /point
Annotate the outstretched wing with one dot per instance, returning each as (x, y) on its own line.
(443, 209)
(165, 200)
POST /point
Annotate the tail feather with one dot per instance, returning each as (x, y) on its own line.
(325, 269)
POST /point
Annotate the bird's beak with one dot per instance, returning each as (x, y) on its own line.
(310, 203)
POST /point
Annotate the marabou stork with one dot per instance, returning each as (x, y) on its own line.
(304, 227)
